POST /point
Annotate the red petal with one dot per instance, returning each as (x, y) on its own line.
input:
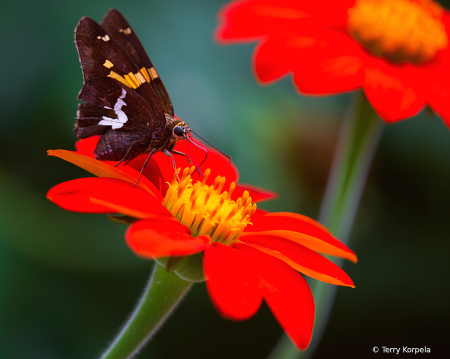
(300, 258)
(439, 97)
(438, 82)
(323, 61)
(163, 237)
(287, 294)
(259, 212)
(87, 146)
(232, 282)
(250, 20)
(152, 172)
(106, 195)
(280, 53)
(162, 171)
(390, 90)
(334, 65)
(304, 230)
(159, 169)
(215, 161)
(257, 194)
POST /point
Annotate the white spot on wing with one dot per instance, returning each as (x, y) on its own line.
(118, 122)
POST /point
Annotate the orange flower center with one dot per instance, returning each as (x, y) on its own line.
(207, 209)
(399, 30)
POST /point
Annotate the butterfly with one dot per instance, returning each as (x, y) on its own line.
(125, 100)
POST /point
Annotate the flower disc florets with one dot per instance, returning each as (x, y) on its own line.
(398, 30)
(208, 209)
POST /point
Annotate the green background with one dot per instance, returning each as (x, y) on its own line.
(68, 281)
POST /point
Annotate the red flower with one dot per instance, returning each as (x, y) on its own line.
(396, 50)
(249, 254)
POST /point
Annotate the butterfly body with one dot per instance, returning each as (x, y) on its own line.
(125, 100)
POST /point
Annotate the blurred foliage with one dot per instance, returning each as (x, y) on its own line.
(68, 281)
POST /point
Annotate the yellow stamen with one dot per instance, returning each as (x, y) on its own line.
(206, 175)
(399, 30)
(231, 189)
(208, 209)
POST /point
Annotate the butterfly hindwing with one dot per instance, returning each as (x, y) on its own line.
(88, 117)
(119, 28)
(121, 145)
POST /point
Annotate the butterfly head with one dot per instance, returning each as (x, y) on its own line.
(181, 131)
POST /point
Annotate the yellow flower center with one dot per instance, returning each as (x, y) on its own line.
(207, 209)
(398, 30)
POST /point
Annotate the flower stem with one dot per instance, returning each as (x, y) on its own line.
(356, 146)
(163, 292)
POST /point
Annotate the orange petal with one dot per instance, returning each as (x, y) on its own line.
(300, 229)
(300, 258)
(101, 169)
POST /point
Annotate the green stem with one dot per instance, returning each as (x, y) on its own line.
(357, 143)
(163, 292)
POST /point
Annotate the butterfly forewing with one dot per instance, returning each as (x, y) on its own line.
(119, 28)
(102, 56)
(131, 110)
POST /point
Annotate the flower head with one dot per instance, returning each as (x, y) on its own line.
(396, 50)
(248, 254)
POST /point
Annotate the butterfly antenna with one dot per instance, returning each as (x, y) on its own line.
(223, 153)
(193, 160)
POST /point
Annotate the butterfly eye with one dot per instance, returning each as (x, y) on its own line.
(178, 131)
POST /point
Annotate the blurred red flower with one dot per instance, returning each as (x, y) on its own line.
(244, 262)
(396, 50)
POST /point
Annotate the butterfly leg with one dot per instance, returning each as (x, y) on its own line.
(182, 154)
(143, 166)
(185, 155)
(126, 154)
(169, 154)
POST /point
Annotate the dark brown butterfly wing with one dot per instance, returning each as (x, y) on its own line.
(88, 117)
(118, 92)
(119, 28)
(121, 145)
(102, 57)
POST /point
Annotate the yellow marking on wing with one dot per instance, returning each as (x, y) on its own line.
(131, 79)
(144, 71)
(140, 78)
(104, 38)
(153, 73)
(126, 31)
(135, 79)
(119, 78)
(108, 64)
